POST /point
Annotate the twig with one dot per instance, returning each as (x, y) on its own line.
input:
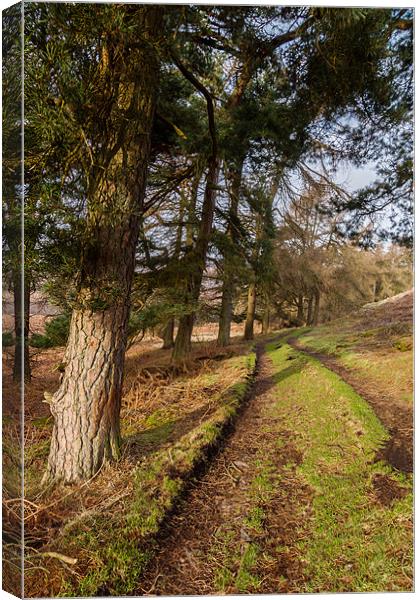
(66, 559)
(64, 497)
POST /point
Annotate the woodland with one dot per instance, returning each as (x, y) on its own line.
(183, 204)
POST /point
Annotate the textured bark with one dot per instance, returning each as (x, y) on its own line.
(21, 359)
(86, 407)
(250, 312)
(168, 334)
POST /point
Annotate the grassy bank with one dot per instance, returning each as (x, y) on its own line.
(376, 344)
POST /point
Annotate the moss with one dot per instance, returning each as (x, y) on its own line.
(122, 567)
(154, 436)
(245, 580)
(42, 422)
(255, 518)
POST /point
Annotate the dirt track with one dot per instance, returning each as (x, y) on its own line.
(187, 561)
(208, 526)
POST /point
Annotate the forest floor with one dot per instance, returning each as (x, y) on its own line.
(308, 489)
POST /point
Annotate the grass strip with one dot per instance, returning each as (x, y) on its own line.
(358, 540)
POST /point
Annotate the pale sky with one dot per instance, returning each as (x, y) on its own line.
(353, 179)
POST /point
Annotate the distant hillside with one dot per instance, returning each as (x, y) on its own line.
(396, 309)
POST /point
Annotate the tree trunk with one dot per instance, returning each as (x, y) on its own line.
(196, 263)
(168, 334)
(300, 316)
(21, 359)
(86, 407)
(309, 316)
(250, 313)
(196, 258)
(315, 319)
(266, 320)
(228, 288)
(191, 225)
(225, 319)
(182, 347)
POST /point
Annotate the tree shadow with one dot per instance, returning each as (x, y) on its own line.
(264, 385)
(152, 440)
(149, 441)
(157, 361)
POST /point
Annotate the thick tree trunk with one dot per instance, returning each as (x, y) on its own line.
(182, 347)
(168, 334)
(309, 316)
(315, 319)
(250, 312)
(21, 300)
(86, 407)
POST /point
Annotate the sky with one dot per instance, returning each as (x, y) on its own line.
(353, 179)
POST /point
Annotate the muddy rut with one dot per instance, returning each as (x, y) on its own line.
(190, 556)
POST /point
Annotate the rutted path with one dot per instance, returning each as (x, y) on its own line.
(295, 501)
(398, 419)
(223, 516)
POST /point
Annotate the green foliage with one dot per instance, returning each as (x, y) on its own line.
(56, 333)
(7, 339)
(57, 330)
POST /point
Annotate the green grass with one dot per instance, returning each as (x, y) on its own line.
(382, 357)
(354, 543)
